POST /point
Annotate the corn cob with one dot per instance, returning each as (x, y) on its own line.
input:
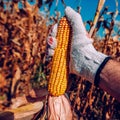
(59, 72)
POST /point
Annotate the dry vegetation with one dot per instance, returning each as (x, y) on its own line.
(22, 50)
(23, 35)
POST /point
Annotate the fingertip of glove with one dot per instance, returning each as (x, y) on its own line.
(54, 30)
(68, 10)
(71, 14)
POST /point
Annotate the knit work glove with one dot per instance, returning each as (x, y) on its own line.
(51, 41)
(85, 60)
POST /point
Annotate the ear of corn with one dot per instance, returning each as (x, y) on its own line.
(59, 72)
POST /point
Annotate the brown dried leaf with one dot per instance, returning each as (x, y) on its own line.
(2, 80)
(27, 50)
(15, 40)
(16, 76)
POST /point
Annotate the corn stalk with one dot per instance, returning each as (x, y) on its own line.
(99, 8)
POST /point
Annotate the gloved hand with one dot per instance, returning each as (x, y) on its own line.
(51, 40)
(85, 60)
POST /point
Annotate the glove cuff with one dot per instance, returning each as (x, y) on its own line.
(97, 76)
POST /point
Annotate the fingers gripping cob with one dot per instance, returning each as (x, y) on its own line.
(59, 72)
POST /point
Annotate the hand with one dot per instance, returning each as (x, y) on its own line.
(51, 40)
(84, 59)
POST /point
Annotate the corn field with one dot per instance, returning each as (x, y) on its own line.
(23, 65)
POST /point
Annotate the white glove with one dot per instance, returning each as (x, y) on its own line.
(51, 40)
(85, 60)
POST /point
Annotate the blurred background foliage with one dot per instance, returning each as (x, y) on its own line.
(24, 26)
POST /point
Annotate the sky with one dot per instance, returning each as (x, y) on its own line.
(88, 7)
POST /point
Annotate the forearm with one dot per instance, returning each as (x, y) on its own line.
(110, 78)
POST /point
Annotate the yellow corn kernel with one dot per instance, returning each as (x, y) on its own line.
(59, 72)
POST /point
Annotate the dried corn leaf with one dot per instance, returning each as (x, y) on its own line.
(2, 80)
(16, 77)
